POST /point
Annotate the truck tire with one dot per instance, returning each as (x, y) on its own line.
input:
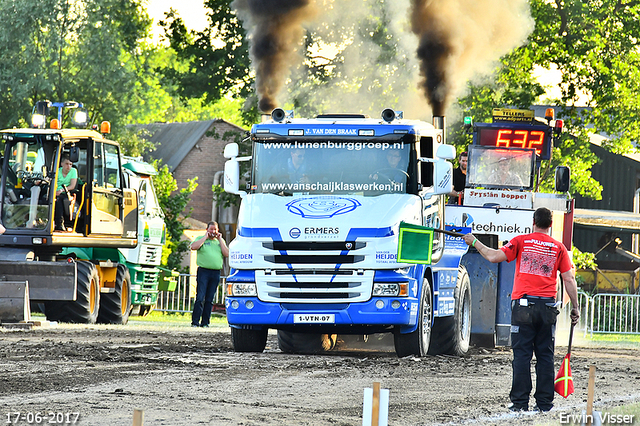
(115, 307)
(84, 309)
(305, 343)
(451, 335)
(246, 340)
(418, 341)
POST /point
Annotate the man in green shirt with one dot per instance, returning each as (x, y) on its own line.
(211, 250)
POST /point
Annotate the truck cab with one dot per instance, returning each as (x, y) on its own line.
(316, 249)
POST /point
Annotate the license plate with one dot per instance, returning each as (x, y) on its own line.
(314, 318)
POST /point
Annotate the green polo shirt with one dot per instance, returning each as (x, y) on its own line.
(209, 254)
(66, 180)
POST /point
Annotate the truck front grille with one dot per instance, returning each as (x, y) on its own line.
(311, 286)
(290, 259)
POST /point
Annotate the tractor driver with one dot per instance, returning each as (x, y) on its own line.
(67, 179)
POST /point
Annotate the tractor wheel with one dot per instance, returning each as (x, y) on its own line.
(451, 335)
(85, 308)
(305, 343)
(115, 307)
(417, 342)
(246, 340)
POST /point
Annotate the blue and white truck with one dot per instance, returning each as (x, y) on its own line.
(316, 248)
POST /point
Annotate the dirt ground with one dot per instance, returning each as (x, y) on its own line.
(186, 376)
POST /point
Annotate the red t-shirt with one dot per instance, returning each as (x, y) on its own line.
(540, 257)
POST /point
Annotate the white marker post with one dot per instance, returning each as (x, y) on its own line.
(375, 410)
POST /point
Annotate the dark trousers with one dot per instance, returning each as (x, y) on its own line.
(207, 285)
(533, 331)
(62, 219)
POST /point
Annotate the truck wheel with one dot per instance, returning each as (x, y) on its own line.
(115, 307)
(246, 340)
(84, 309)
(451, 335)
(305, 343)
(417, 342)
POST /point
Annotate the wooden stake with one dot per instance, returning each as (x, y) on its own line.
(375, 406)
(138, 417)
(590, 393)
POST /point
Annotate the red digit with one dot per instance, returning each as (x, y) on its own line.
(501, 140)
(522, 143)
(537, 141)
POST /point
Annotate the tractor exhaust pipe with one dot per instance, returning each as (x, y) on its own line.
(439, 122)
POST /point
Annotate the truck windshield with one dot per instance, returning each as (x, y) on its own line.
(366, 168)
(500, 168)
(27, 184)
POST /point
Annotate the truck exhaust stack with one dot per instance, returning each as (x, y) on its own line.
(440, 122)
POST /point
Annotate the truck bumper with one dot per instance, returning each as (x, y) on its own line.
(379, 311)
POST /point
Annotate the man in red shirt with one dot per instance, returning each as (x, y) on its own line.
(533, 306)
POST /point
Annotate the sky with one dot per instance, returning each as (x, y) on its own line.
(191, 11)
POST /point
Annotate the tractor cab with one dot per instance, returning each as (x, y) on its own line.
(100, 211)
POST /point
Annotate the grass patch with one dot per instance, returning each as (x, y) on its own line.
(173, 319)
(613, 338)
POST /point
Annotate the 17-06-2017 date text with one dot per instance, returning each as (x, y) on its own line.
(42, 418)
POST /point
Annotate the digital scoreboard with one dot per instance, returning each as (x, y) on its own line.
(515, 135)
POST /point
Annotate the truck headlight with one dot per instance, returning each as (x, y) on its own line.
(390, 289)
(242, 289)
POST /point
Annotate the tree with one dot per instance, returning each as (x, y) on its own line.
(90, 51)
(594, 45)
(214, 61)
(173, 205)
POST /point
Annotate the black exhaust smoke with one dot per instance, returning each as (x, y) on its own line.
(460, 39)
(275, 30)
(434, 52)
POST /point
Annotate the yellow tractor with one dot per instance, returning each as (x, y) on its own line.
(75, 273)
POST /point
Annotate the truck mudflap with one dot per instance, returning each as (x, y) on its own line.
(47, 280)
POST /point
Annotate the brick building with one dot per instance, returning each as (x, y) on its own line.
(194, 149)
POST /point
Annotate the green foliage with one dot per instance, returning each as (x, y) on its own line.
(215, 61)
(583, 260)
(134, 141)
(173, 203)
(90, 51)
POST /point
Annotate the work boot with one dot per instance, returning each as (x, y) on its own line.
(517, 407)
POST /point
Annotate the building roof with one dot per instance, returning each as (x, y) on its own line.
(173, 141)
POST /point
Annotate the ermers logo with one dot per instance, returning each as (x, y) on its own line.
(294, 232)
(324, 231)
(322, 207)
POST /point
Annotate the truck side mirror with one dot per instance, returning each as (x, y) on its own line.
(563, 179)
(231, 150)
(231, 182)
(443, 176)
(446, 152)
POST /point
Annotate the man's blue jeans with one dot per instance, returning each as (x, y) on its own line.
(207, 280)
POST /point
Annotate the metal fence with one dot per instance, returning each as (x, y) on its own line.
(182, 298)
(606, 313)
(601, 313)
(615, 313)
